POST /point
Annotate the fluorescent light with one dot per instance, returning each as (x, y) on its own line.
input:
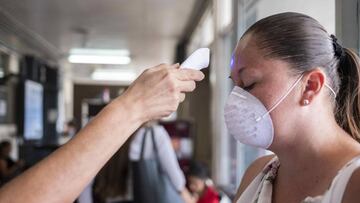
(109, 52)
(97, 59)
(100, 56)
(113, 75)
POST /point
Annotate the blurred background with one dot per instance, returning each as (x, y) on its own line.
(62, 61)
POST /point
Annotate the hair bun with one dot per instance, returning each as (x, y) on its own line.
(338, 49)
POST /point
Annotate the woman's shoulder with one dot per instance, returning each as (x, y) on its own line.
(351, 193)
(251, 172)
(161, 134)
(160, 128)
(346, 185)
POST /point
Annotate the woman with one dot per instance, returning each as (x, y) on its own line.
(143, 147)
(297, 94)
(62, 176)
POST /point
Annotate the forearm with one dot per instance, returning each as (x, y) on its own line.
(61, 176)
(187, 197)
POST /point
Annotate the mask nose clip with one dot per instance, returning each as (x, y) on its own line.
(239, 95)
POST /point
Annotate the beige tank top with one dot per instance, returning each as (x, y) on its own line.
(260, 189)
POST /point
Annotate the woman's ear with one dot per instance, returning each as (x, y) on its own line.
(314, 81)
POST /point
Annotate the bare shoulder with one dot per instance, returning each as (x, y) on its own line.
(251, 172)
(352, 189)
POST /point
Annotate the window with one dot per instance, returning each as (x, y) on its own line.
(225, 14)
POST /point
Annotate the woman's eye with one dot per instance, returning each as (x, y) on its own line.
(249, 87)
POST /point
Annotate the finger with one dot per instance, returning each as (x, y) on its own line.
(161, 66)
(181, 97)
(165, 68)
(186, 86)
(176, 65)
(188, 74)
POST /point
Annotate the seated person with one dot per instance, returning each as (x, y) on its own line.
(198, 177)
(8, 167)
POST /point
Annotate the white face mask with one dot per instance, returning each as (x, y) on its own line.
(248, 120)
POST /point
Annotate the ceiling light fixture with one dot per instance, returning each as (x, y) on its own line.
(100, 56)
(113, 75)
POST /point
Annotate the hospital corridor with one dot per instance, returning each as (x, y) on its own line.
(179, 101)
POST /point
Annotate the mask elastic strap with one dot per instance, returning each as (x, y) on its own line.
(287, 93)
(332, 91)
(281, 98)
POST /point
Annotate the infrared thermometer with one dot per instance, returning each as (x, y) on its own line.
(198, 60)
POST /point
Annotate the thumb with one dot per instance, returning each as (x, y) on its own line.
(176, 65)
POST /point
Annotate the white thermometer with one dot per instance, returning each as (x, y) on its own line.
(198, 60)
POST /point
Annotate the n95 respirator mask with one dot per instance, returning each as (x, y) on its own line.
(248, 120)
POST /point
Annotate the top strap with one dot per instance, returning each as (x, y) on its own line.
(143, 144)
(153, 141)
(337, 188)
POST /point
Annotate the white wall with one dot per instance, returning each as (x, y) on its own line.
(321, 10)
(347, 23)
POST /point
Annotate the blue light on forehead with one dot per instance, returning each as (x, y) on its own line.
(232, 61)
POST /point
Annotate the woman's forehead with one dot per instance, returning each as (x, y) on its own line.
(249, 59)
(246, 53)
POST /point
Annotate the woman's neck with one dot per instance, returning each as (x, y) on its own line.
(317, 149)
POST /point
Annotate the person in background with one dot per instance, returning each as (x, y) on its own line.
(69, 132)
(198, 177)
(113, 182)
(8, 167)
(166, 154)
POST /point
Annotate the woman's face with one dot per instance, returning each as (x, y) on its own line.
(268, 80)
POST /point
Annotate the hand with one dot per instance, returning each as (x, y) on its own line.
(187, 197)
(157, 92)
